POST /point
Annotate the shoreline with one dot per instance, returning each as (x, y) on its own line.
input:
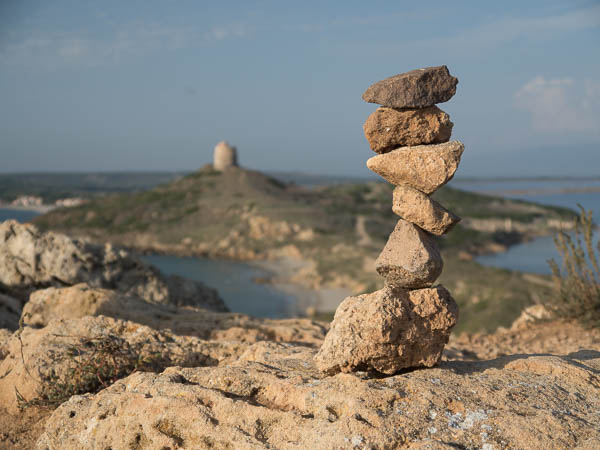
(308, 301)
(39, 209)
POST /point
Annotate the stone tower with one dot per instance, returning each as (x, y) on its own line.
(408, 322)
(224, 156)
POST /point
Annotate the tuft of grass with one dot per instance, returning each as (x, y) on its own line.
(578, 283)
(92, 365)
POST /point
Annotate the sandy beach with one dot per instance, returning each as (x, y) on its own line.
(324, 300)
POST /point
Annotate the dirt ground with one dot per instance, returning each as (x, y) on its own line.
(21, 431)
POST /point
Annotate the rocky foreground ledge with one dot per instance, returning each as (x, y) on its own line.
(31, 259)
(231, 381)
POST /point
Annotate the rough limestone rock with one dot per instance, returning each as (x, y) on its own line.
(389, 128)
(415, 89)
(423, 167)
(225, 156)
(81, 300)
(46, 350)
(420, 209)
(30, 259)
(389, 330)
(410, 259)
(274, 397)
(10, 310)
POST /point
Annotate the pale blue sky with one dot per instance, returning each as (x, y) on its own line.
(154, 85)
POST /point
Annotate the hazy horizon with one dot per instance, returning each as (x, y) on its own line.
(154, 85)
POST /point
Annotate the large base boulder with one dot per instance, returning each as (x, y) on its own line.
(389, 330)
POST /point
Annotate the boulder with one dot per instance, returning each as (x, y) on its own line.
(30, 259)
(46, 358)
(423, 167)
(419, 209)
(275, 397)
(81, 300)
(389, 128)
(411, 257)
(388, 330)
(415, 89)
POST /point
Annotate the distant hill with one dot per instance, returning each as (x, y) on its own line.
(51, 186)
(337, 230)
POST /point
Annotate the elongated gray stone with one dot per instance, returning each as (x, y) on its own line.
(415, 89)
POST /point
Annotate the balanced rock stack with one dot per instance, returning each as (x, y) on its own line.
(408, 322)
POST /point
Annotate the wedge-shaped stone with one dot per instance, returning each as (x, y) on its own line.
(422, 210)
(415, 89)
(389, 128)
(423, 167)
(388, 330)
(411, 257)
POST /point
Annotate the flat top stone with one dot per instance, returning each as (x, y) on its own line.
(415, 89)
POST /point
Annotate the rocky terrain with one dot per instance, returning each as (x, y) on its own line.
(97, 362)
(237, 382)
(30, 259)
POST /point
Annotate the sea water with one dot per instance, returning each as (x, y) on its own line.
(533, 256)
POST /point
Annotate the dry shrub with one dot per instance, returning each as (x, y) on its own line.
(92, 364)
(578, 280)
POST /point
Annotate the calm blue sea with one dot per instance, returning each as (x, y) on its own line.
(533, 256)
(234, 281)
(17, 214)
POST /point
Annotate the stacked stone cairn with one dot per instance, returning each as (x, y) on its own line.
(407, 323)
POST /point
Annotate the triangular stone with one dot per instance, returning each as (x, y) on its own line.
(411, 257)
(423, 167)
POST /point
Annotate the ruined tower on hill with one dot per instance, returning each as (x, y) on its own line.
(224, 156)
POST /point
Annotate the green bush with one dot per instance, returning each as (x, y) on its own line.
(578, 281)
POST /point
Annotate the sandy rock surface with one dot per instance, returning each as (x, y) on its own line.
(81, 300)
(411, 257)
(388, 330)
(423, 167)
(389, 128)
(30, 259)
(415, 89)
(422, 210)
(37, 353)
(5, 336)
(274, 397)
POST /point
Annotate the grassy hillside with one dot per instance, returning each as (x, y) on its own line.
(338, 229)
